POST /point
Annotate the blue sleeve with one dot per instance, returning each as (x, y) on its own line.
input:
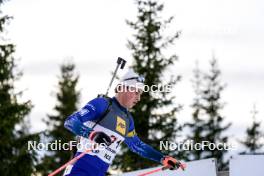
(93, 110)
(141, 148)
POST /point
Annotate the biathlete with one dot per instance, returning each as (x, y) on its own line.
(107, 121)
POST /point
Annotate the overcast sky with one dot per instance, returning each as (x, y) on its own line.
(94, 34)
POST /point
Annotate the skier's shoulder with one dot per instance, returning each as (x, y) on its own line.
(100, 103)
(102, 99)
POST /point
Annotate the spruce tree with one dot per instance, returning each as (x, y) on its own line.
(155, 115)
(196, 126)
(13, 113)
(67, 100)
(214, 127)
(252, 141)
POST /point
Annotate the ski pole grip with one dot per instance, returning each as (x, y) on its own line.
(121, 61)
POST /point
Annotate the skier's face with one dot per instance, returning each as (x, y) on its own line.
(132, 97)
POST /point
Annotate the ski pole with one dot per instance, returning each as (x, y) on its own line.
(182, 166)
(69, 162)
(121, 62)
(152, 171)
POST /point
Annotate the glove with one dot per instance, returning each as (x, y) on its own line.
(172, 163)
(100, 138)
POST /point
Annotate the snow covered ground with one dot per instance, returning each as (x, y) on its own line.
(240, 165)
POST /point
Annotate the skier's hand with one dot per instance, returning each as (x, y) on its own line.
(172, 163)
(100, 138)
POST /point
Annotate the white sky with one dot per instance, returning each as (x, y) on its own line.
(94, 33)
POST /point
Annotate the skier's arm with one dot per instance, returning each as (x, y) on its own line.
(141, 148)
(91, 111)
(146, 151)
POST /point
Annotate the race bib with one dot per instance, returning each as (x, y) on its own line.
(107, 153)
